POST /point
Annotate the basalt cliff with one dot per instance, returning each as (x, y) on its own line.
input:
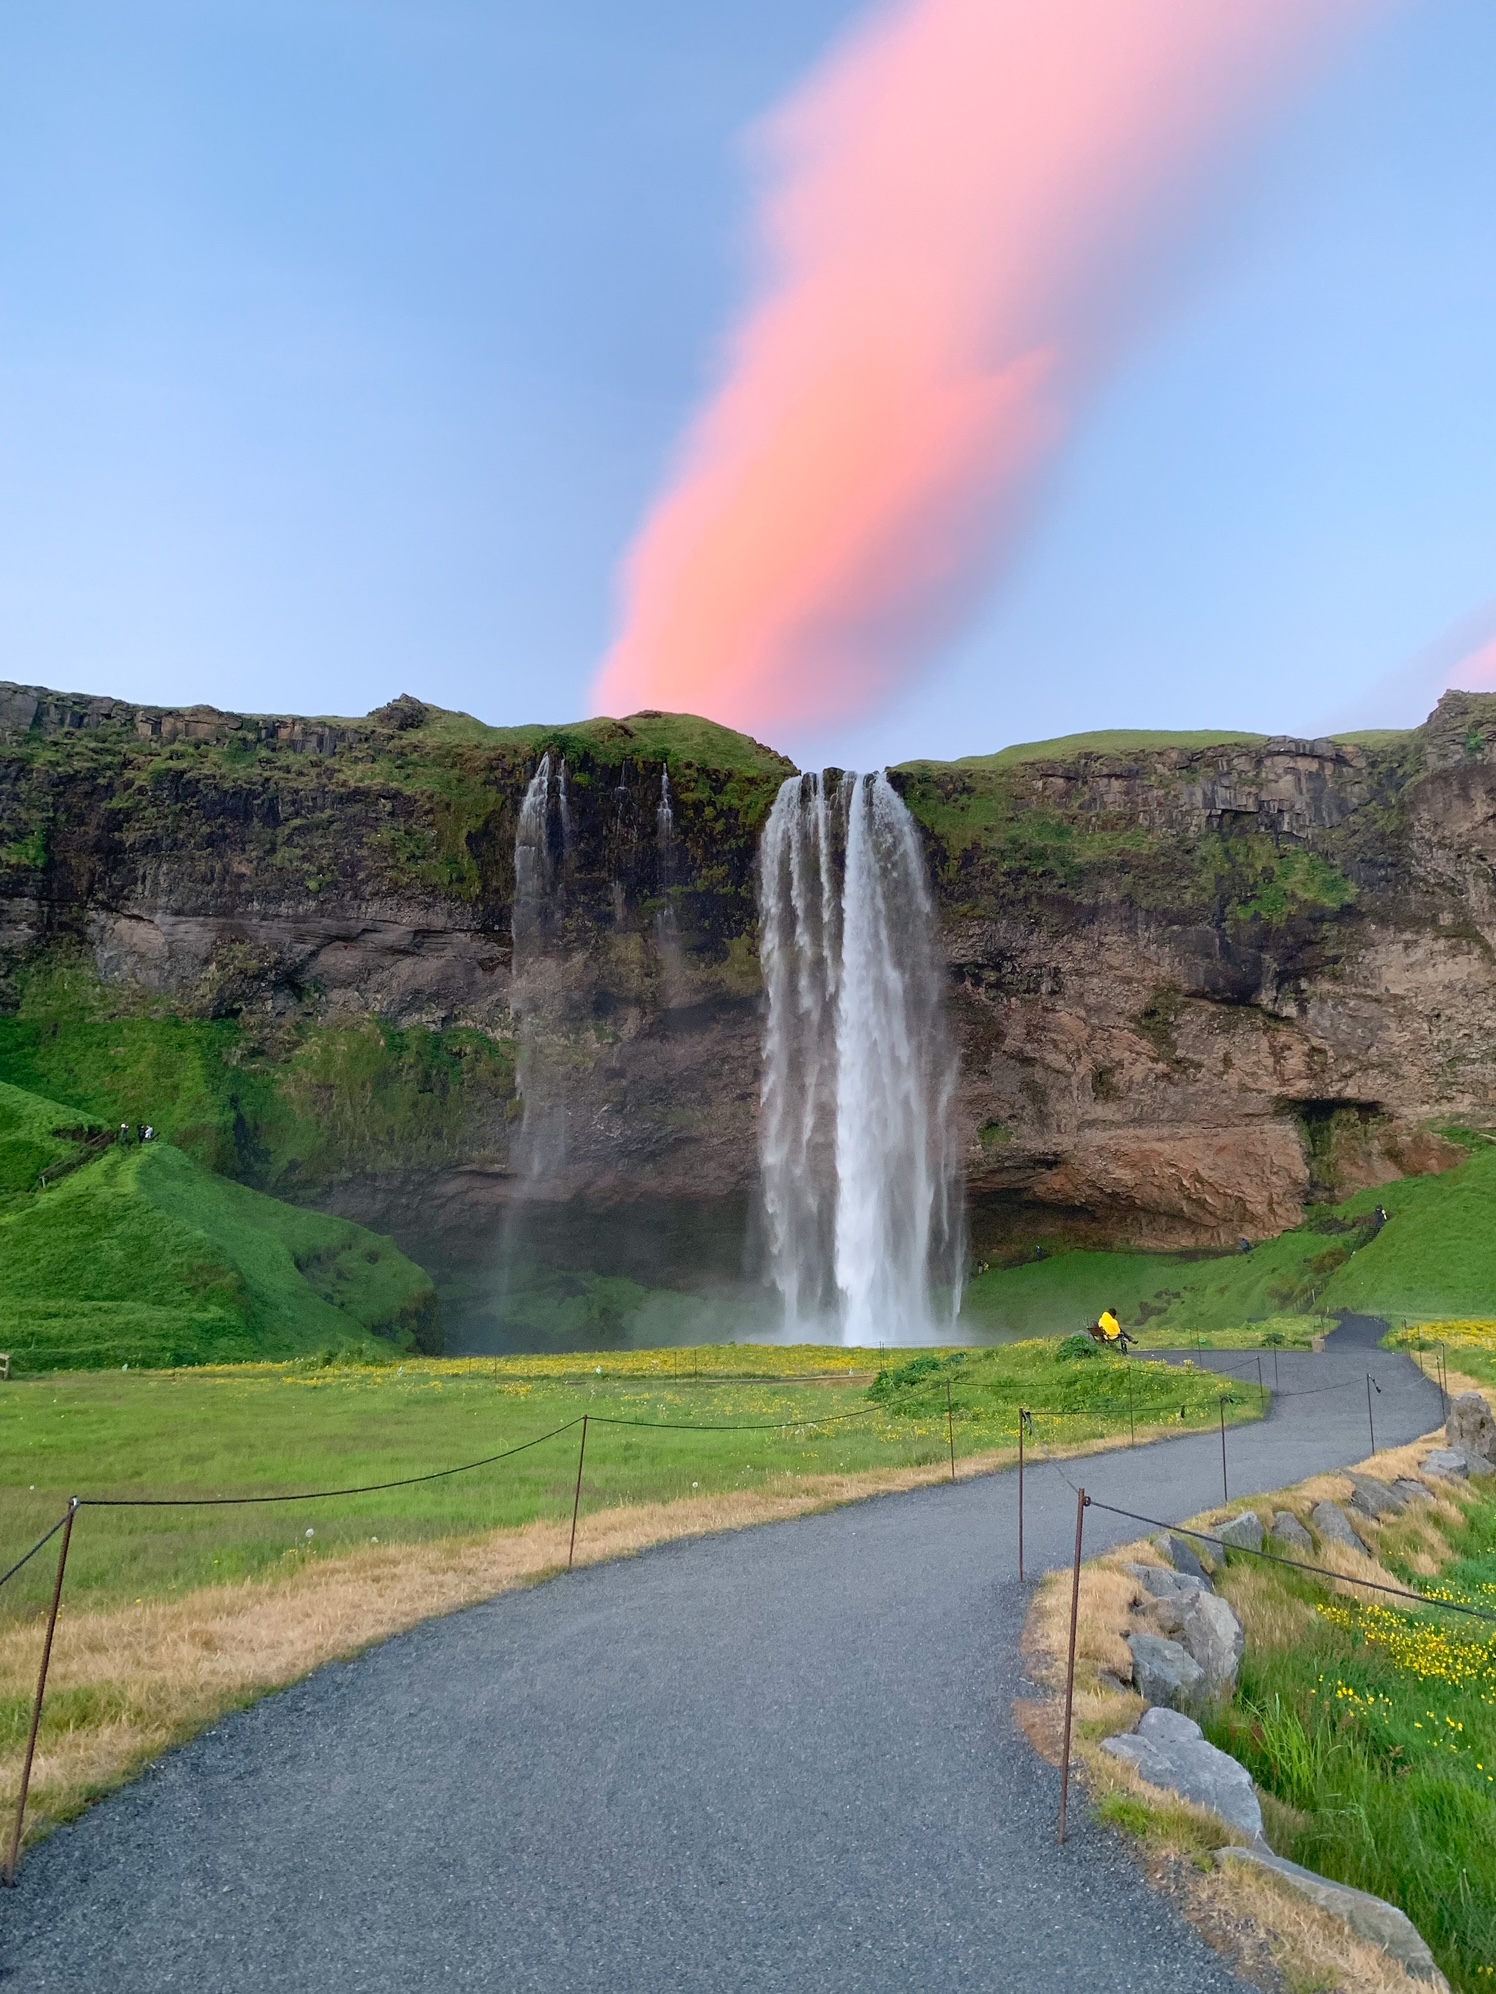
(1198, 982)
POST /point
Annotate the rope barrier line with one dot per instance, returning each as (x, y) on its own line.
(34, 1549)
(315, 1495)
(1295, 1564)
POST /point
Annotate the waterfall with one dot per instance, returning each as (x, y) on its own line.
(665, 825)
(540, 1144)
(532, 861)
(667, 931)
(857, 1160)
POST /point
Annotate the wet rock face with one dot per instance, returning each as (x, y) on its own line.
(1193, 986)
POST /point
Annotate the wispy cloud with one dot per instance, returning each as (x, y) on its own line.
(963, 215)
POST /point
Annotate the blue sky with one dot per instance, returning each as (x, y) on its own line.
(342, 348)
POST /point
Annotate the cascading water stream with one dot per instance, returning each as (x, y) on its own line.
(541, 1138)
(857, 1160)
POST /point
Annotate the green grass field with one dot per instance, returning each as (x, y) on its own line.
(113, 1254)
(266, 1429)
(1375, 1733)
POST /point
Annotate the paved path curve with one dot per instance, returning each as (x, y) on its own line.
(781, 1759)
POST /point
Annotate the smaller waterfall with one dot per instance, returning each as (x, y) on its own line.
(667, 929)
(665, 825)
(540, 1145)
(857, 1161)
(563, 805)
(532, 859)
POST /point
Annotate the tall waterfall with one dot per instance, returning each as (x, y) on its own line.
(542, 1136)
(857, 1159)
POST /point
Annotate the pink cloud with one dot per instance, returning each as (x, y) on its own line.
(964, 206)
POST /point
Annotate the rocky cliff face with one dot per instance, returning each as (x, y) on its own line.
(1196, 983)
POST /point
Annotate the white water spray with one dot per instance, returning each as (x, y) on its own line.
(857, 1160)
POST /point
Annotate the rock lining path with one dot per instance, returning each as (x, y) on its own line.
(781, 1759)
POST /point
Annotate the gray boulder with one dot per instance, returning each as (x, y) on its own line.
(1182, 1555)
(1376, 1499)
(1213, 1637)
(1288, 1536)
(1163, 1583)
(1166, 1615)
(1471, 1428)
(1333, 1526)
(1450, 1462)
(1412, 1491)
(1170, 1751)
(1370, 1918)
(1242, 1533)
(1164, 1672)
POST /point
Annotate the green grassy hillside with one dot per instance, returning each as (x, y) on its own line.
(113, 1254)
(1434, 1259)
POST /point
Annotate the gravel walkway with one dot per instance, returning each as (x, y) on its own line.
(779, 1759)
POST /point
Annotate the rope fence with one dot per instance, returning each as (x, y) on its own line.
(1022, 1418)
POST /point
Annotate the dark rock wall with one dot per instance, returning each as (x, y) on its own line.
(1195, 987)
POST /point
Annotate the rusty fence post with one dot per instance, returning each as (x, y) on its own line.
(13, 1863)
(1082, 1501)
(577, 1499)
(950, 1428)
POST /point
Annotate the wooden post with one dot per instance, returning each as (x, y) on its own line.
(577, 1500)
(1225, 1492)
(1022, 1415)
(1081, 1501)
(13, 1865)
(1261, 1389)
(950, 1429)
(1370, 1419)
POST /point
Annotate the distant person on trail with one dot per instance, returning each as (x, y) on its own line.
(1244, 1246)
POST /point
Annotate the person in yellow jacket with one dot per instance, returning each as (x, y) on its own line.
(1109, 1332)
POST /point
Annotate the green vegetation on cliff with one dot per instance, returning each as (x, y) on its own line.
(288, 1106)
(114, 1253)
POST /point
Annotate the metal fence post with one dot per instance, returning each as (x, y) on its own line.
(577, 1499)
(14, 1862)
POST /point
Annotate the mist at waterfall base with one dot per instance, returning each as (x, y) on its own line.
(854, 1232)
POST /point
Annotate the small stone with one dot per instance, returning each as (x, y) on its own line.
(1182, 1555)
(1242, 1533)
(1164, 1672)
(1412, 1491)
(1376, 1498)
(1471, 1427)
(1288, 1534)
(1448, 1462)
(1169, 1751)
(1333, 1526)
(1166, 1615)
(1213, 1637)
(1165, 1584)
